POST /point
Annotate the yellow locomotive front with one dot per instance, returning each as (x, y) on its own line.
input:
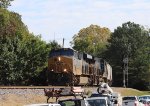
(60, 66)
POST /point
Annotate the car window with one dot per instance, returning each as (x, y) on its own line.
(95, 95)
(70, 103)
(98, 102)
(144, 97)
(129, 98)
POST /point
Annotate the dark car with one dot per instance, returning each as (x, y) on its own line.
(70, 102)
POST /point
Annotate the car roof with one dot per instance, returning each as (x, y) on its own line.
(43, 104)
(129, 96)
(92, 98)
(100, 94)
(74, 99)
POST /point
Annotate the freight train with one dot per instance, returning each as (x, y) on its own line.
(70, 67)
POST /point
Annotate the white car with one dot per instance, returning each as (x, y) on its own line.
(115, 97)
(131, 101)
(93, 101)
(44, 104)
(145, 97)
(97, 101)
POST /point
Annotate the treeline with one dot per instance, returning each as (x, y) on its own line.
(127, 49)
(23, 55)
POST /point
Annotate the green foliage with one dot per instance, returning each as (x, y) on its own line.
(92, 40)
(5, 3)
(23, 55)
(33, 55)
(11, 23)
(54, 45)
(130, 40)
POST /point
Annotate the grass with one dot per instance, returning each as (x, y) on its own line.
(131, 92)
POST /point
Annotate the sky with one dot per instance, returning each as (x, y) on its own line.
(58, 19)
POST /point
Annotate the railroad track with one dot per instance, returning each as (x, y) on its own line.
(39, 87)
(31, 87)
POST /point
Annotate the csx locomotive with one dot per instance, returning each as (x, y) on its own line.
(69, 67)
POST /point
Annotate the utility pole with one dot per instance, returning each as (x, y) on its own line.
(124, 72)
(125, 68)
(63, 42)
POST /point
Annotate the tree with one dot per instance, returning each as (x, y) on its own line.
(12, 31)
(92, 40)
(23, 55)
(22, 59)
(54, 45)
(5, 3)
(33, 55)
(130, 40)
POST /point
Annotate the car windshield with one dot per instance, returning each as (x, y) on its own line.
(144, 97)
(97, 102)
(129, 98)
(95, 95)
(70, 103)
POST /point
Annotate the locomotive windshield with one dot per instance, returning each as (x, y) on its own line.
(61, 52)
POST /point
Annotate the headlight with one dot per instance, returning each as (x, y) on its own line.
(59, 58)
(65, 70)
